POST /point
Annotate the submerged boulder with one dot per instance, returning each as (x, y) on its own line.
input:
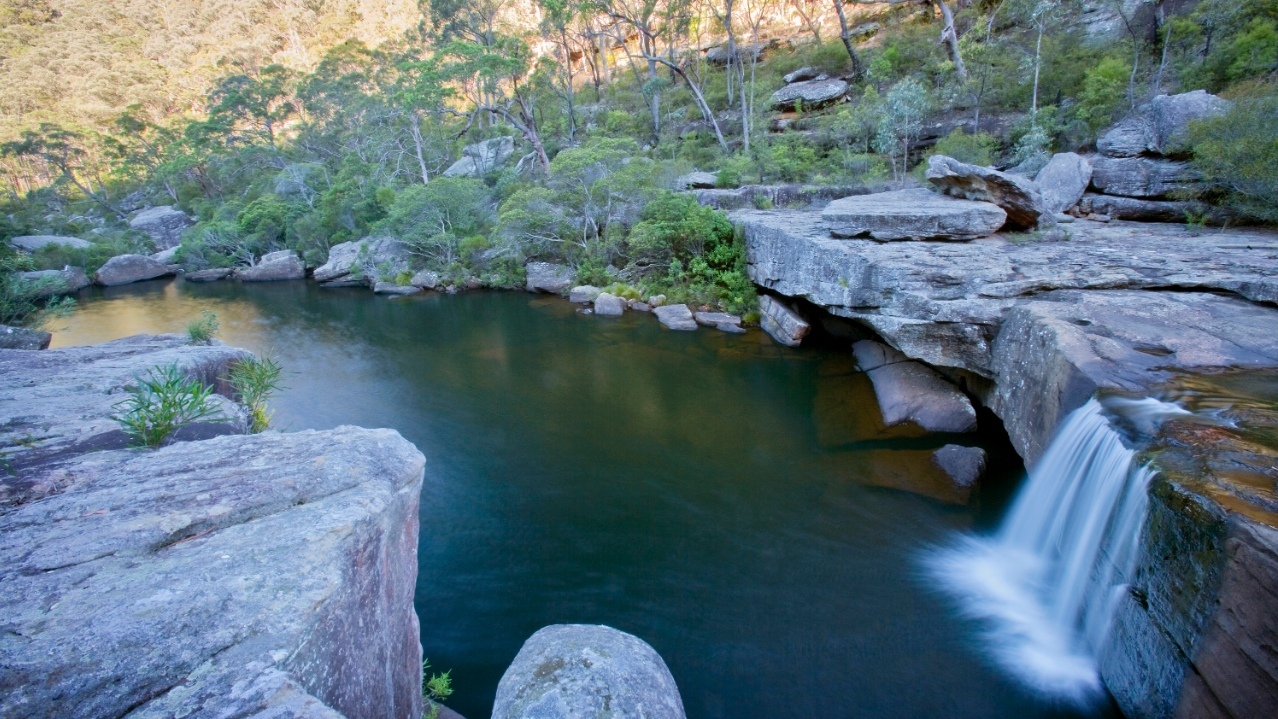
(1063, 180)
(282, 265)
(912, 215)
(31, 243)
(126, 269)
(1017, 196)
(569, 671)
(809, 95)
(781, 322)
(164, 225)
(910, 391)
(548, 277)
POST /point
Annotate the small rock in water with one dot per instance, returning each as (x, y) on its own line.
(609, 305)
(390, 288)
(638, 306)
(583, 294)
(676, 317)
(964, 465)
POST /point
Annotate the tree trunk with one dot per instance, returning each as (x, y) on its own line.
(949, 35)
(847, 38)
(416, 120)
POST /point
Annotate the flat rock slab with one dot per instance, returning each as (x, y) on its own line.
(262, 575)
(31, 243)
(1142, 177)
(809, 95)
(714, 319)
(676, 317)
(58, 403)
(911, 215)
(569, 671)
(127, 269)
(943, 303)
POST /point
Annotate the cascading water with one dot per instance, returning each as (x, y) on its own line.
(1047, 584)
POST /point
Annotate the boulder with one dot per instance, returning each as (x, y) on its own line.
(568, 671)
(609, 305)
(31, 243)
(1062, 182)
(1017, 196)
(50, 283)
(164, 225)
(548, 277)
(1143, 176)
(425, 279)
(696, 181)
(1159, 127)
(125, 269)
(165, 256)
(21, 338)
(1131, 208)
(282, 265)
(211, 275)
(782, 323)
(245, 575)
(390, 288)
(362, 262)
(963, 465)
(912, 215)
(638, 306)
(809, 95)
(583, 294)
(720, 54)
(714, 319)
(803, 74)
(909, 391)
(675, 317)
(482, 158)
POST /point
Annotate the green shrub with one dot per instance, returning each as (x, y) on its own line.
(435, 689)
(1104, 92)
(201, 330)
(162, 402)
(975, 149)
(255, 380)
(432, 218)
(1239, 153)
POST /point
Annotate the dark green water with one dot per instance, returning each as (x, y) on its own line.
(719, 496)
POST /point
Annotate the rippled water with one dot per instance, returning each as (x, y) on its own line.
(736, 504)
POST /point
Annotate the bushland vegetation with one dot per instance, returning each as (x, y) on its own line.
(302, 125)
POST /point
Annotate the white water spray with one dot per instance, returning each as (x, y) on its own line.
(1047, 584)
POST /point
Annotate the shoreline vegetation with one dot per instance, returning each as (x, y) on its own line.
(486, 136)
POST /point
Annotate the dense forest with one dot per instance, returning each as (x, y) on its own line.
(301, 124)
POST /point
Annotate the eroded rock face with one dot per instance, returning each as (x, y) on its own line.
(912, 215)
(363, 262)
(482, 157)
(1018, 197)
(1142, 176)
(567, 671)
(548, 277)
(273, 267)
(164, 225)
(1063, 180)
(127, 269)
(225, 578)
(809, 95)
(31, 243)
(781, 322)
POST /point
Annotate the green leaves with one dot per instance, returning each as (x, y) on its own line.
(162, 402)
(255, 380)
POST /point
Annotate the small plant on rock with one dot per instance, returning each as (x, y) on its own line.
(255, 380)
(435, 689)
(162, 402)
(202, 330)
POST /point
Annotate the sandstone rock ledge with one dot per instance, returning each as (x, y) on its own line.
(243, 575)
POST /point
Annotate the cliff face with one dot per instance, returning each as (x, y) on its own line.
(1035, 328)
(236, 576)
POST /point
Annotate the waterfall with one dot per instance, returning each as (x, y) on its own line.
(1046, 585)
